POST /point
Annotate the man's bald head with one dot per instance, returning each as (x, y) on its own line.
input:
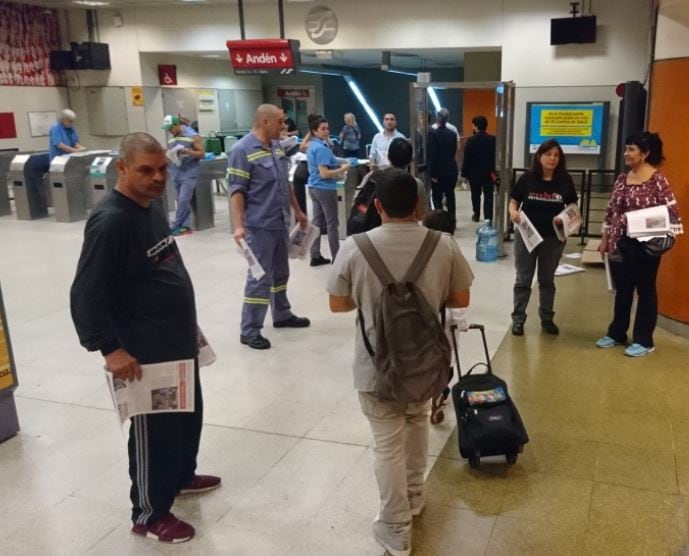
(138, 143)
(268, 122)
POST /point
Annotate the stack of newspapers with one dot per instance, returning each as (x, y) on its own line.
(648, 223)
(565, 224)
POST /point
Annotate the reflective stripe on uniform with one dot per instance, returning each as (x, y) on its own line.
(238, 172)
(255, 156)
(180, 138)
(256, 301)
(278, 289)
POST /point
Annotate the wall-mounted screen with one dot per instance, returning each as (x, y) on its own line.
(578, 127)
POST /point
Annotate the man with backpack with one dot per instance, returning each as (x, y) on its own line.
(399, 277)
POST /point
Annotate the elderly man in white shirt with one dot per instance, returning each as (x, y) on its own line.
(381, 142)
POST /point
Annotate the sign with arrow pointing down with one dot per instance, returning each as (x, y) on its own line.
(264, 56)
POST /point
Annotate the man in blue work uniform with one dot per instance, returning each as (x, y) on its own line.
(187, 149)
(64, 138)
(261, 197)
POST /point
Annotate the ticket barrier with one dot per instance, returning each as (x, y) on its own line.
(202, 204)
(28, 176)
(5, 161)
(102, 177)
(70, 184)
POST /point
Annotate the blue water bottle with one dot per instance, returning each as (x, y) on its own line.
(486, 243)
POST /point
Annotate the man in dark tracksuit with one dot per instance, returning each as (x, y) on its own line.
(442, 165)
(132, 300)
(478, 167)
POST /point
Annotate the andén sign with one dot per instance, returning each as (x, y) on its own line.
(264, 56)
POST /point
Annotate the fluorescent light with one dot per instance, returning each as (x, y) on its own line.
(400, 72)
(362, 100)
(320, 72)
(91, 3)
(434, 98)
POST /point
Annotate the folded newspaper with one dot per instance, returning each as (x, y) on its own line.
(173, 155)
(300, 240)
(528, 232)
(571, 222)
(565, 269)
(163, 388)
(648, 223)
(206, 354)
(255, 267)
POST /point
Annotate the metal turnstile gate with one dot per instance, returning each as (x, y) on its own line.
(70, 184)
(28, 176)
(202, 204)
(102, 178)
(5, 161)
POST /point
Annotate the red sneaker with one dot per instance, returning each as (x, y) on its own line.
(166, 529)
(201, 483)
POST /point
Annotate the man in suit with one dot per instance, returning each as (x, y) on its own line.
(478, 167)
(442, 164)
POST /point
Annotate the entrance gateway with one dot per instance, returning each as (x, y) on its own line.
(504, 117)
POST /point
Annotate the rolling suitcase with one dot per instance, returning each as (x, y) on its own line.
(488, 422)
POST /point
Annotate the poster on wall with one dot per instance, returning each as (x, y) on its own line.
(7, 128)
(7, 375)
(578, 127)
(41, 122)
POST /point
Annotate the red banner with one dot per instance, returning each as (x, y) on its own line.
(263, 56)
(294, 93)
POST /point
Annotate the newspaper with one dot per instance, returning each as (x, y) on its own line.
(648, 223)
(163, 388)
(255, 267)
(528, 232)
(608, 274)
(300, 240)
(565, 269)
(173, 155)
(206, 354)
(571, 222)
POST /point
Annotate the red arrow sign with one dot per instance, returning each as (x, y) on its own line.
(263, 56)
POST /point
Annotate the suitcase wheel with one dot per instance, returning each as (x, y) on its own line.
(511, 458)
(437, 417)
(475, 462)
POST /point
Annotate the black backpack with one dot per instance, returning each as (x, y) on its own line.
(363, 215)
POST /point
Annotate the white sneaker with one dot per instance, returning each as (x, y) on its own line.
(393, 537)
(417, 503)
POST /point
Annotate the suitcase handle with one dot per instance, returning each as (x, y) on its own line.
(482, 329)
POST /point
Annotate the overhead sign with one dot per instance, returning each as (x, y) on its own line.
(321, 25)
(293, 93)
(167, 75)
(264, 56)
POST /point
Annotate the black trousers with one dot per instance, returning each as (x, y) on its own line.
(636, 272)
(445, 188)
(486, 188)
(301, 176)
(162, 458)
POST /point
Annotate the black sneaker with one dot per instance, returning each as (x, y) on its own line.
(474, 218)
(518, 329)
(550, 327)
(293, 322)
(319, 261)
(255, 342)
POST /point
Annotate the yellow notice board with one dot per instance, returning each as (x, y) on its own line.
(566, 123)
(6, 375)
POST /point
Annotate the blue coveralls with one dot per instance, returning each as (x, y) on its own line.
(184, 177)
(261, 175)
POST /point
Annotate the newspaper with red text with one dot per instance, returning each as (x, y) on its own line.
(163, 388)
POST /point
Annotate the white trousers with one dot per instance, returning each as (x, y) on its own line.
(400, 446)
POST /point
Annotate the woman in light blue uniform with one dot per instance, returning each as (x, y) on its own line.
(323, 173)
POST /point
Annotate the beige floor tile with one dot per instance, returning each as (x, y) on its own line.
(517, 537)
(636, 467)
(682, 464)
(447, 531)
(629, 521)
(541, 497)
(343, 424)
(558, 455)
(637, 430)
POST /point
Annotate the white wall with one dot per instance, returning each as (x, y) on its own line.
(22, 100)
(193, 71)
(672, 38)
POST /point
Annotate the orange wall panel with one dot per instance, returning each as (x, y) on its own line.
(478, 102)
(669, 117)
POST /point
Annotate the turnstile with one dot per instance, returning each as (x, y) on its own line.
(102, 178)
(5, 161)
(69, 183)
(202, 205)
(28, 176)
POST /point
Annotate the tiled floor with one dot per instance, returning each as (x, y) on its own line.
(607, 470)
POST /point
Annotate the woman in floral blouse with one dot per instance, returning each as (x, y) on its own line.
(632, 268)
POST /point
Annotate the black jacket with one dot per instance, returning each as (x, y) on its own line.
(442, 149)
(479, 158)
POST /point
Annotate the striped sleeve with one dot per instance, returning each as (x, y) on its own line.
(238, 171)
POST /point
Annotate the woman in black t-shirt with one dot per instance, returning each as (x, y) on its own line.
(541, 194)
